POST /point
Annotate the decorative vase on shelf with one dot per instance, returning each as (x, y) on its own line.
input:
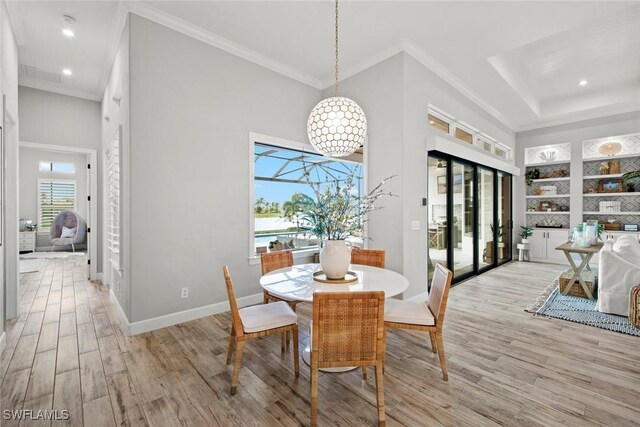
(335, 257)
(525, 241)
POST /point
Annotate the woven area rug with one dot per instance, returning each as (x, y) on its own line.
(552, 303)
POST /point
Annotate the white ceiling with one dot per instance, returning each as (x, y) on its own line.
(522, 61)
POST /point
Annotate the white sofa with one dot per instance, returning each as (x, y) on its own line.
(619, 271)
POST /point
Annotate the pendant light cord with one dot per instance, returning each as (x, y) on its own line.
(336, 86)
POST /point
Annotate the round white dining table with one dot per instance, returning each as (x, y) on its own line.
(297, 283)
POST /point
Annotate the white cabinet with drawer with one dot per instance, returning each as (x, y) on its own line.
(27, 241)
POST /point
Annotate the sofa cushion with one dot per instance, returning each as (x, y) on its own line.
(627, 247)
(411, 312)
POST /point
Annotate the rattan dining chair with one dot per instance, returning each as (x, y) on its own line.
(372, 257)
(348, 330)
(257, 321)
(424, 316)
(273, 261)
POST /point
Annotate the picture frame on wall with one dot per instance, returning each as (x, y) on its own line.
(442, 184)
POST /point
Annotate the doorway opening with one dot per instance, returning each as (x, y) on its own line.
(469, 216)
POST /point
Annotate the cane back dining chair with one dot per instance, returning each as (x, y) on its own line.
(424, 316)
(254, 322)
(348, 330)
(372, 257)
(273, 261)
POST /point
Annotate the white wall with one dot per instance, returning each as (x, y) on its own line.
(54, 119)
(30, 174)
(574, 133)
(192, 108)
(395, 95)
(115, 114)
(9, 248)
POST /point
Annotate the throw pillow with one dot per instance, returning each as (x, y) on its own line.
(627, 247)
(68, 232)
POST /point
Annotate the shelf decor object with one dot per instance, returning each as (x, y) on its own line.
(337, 126)
(610, 148)
(610, 185)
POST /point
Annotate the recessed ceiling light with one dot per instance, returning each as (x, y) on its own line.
(68, 32)
(583, 83)
(67, 72)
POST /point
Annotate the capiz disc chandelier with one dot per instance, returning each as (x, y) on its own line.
(337, 126)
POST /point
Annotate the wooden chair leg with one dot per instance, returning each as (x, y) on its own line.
(265, 297)
(283, 340)
(364, 372)
(296, 356)
(380, 395)
(314, 393)
(434, 346)
(232, 344)
(236, 366)
(443, 360)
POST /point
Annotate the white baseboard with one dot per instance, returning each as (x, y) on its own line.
(123, 317)
(3, 341)
(135, 328)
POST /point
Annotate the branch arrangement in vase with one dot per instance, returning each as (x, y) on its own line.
(337, 211)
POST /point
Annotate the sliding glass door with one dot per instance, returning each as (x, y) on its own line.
(469, 216)
(463, 218)
(487, 228)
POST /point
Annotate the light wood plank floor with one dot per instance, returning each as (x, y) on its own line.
(67, 351)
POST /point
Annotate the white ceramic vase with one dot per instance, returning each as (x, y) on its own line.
(525, 241)
(335, 257)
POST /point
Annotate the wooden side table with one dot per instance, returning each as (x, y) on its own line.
(585, 255)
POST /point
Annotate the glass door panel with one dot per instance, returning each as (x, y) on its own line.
(504, 217)
(463, 218)
(437, 232)
(486, 227)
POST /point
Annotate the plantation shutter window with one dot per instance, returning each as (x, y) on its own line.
(55, 196)
(113, 201)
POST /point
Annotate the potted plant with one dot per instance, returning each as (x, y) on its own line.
(335, 214)
(525, 233)
(531, 175)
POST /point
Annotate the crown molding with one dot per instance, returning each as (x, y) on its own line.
(184, 27)
(61, 90)
(363, 65)
(115, 34)
(580, 117)
(438, 69)
(17, 24)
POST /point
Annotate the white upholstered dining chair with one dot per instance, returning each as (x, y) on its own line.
(425, 316)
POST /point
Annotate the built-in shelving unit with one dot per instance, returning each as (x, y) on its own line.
(554, 196)
(553, 164)
(634, 194)
(624, 157)
(548, 213)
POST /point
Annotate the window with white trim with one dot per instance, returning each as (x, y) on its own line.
(54, 196)
(465, 132)
(282, 177)
(112, 157)
(57, 167)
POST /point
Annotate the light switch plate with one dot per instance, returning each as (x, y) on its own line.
(415, 225)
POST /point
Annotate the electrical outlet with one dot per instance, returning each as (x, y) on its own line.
(415, 225)
(184, 293)
(118, 286)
